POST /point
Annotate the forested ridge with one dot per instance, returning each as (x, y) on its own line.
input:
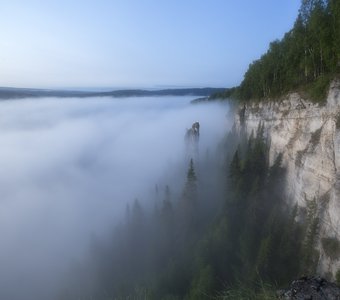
(306, 59)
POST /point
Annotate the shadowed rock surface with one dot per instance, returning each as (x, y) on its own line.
(313, 288)
(192, 140)
(308, 137)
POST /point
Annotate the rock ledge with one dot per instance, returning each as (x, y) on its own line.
(313, 288)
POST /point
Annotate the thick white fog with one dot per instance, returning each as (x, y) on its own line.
(69, 166)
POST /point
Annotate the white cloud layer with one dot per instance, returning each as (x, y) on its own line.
(68, 168)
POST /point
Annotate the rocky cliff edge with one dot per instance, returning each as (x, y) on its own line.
(308, 136)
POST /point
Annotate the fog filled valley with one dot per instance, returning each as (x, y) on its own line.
(123, 199)
(170, 151)
(70, 170)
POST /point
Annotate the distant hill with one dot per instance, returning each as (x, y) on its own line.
(17, 93)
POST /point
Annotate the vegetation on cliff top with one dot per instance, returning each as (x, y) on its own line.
(306, 59)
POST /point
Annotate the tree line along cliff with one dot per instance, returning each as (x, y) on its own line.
(306, 59)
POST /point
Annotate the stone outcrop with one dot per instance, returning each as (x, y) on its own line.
(308, 136)
(192, 141)
(315, 288)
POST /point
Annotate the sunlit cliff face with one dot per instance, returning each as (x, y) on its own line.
(69, 166)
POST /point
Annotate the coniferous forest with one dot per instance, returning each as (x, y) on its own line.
(228, 235)
(306, 59)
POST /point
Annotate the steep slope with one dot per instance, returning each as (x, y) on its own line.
(308, 136)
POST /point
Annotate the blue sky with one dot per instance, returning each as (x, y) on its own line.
(136, 43)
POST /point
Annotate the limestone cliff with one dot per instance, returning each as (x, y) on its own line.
(308, 136)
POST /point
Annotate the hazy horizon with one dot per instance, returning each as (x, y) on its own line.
(62, 44)
(113, 88)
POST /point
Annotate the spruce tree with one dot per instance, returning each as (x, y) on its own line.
(190, 189)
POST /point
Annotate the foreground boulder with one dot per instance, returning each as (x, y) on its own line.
(313, 288)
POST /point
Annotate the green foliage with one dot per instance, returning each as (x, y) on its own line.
(266, 241)
(188, 210)
(331, 246)
(317, 90)
(263, 256)
(203, 285)
(190, 190)
(337, 277)
(227, 93)
(306, 58)
(235, 168)
(242, 292)
(310, 254)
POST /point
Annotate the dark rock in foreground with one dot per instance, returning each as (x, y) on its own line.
(313, 288)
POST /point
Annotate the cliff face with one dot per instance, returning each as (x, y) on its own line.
(308, 136)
